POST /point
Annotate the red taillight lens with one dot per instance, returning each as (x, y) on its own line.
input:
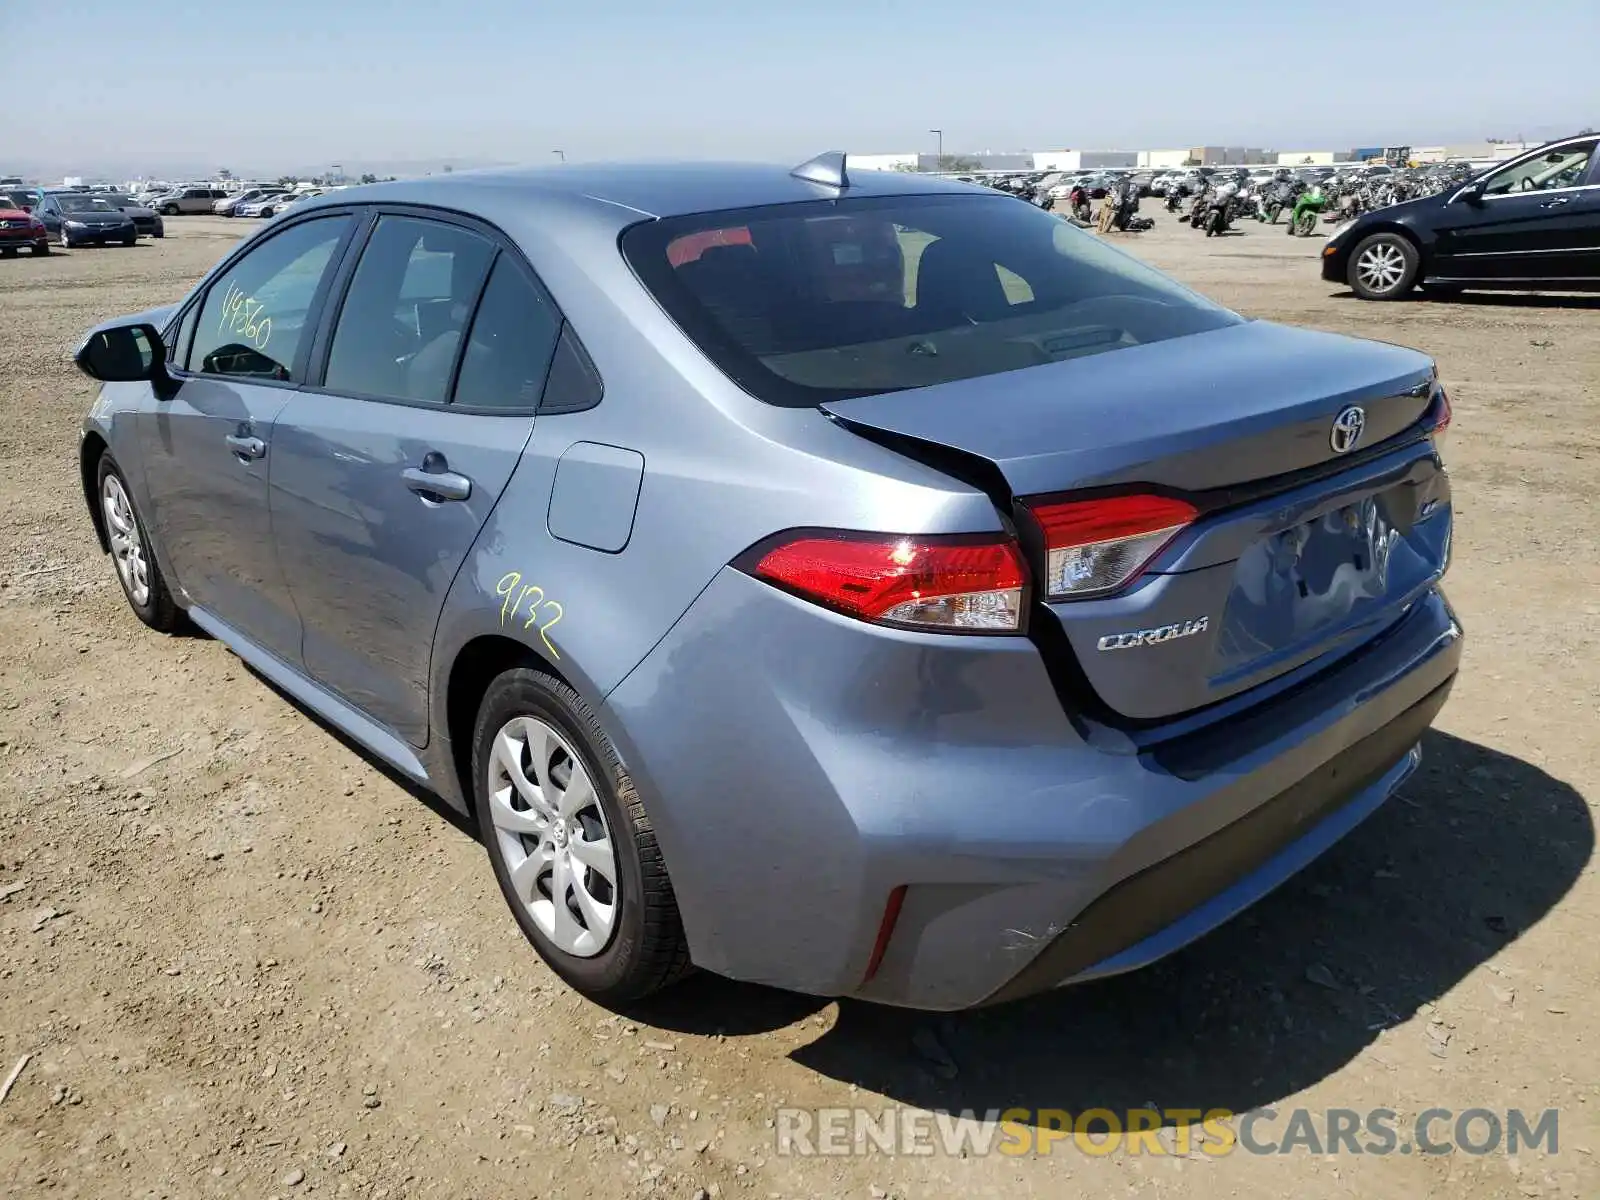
(959, 584)
(1441, 423)
(1098, 546)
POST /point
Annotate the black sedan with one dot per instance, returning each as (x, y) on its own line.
(1532, 224)
(146, 220)
(76, 219)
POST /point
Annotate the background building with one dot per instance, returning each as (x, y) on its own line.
(1312, 158)
(1162, 160)
(1229, 156)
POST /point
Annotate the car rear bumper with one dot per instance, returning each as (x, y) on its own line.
(800, 767)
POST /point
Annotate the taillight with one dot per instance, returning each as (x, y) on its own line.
(1097, 546)
(956, 584)
(1441, 419)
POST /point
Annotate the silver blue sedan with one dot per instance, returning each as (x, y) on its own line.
(855, 582)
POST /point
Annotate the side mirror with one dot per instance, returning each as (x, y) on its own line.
(123, 354)
(1472, 193)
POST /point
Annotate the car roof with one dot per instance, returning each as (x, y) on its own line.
(643, 189)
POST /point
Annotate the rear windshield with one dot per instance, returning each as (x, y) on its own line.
(805, 303)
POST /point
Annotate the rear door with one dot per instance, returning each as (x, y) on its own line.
(208, 451)
(386, 471)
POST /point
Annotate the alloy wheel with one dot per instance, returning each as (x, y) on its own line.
(1381, 267)
(127, 546)
(553, 836)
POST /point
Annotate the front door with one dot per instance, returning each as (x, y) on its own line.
(1532, 222)
(385, 474)
(208, 451)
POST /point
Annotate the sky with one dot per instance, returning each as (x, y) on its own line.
(302, 84)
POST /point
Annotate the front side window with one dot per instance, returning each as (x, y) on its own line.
(254, 319)
(1566, 167)
(400, 329)
(509, 347)
(810, 302)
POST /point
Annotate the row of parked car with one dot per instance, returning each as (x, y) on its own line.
(265, 201)
(32, 218)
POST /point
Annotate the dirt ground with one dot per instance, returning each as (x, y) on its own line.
(246, 963)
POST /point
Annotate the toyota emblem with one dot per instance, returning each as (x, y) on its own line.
(1348, 427)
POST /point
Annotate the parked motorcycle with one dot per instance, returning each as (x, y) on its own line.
(1282, 195)
(1220, 208)
(1303, 221)
(1078, 202)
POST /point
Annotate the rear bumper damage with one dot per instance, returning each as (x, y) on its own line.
(801, 767)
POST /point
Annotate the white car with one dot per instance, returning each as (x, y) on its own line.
(270, 206)
(229, 206)
(287, 202)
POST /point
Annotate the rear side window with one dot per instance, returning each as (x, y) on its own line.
(400, 330)
(804, 303)
(508, 350)
(253, 321)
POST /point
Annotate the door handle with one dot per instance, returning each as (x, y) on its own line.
(1557, 202)
(437, 485)
(245, 446)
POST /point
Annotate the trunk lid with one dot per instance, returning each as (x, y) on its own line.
(1271, 575)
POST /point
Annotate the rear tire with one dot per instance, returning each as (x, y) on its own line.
(532, 846)
(1383, 267)
(131, 553)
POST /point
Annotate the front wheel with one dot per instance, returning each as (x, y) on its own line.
(1214, 223)
(570, 842)
(41, 248)
(170, 210)
(1383, 267)
(1305, 224)
(137, 569)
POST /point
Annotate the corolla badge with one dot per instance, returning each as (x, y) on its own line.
(1348, 427)
(1153, 637)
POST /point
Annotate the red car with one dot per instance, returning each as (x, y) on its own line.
(20, 228)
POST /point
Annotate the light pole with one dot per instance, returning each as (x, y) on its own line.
(561, 153)
(938, 157)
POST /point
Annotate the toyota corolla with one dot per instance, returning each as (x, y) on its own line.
(855, 582)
